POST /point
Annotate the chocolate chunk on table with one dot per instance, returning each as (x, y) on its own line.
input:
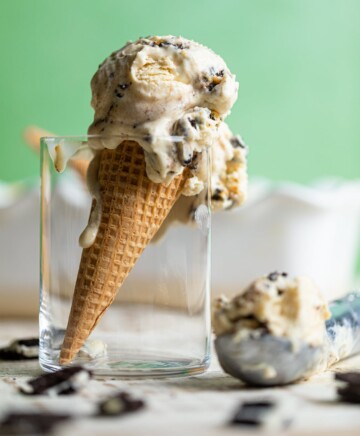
(120, 404)
(349, 394)
(350, 389)
(21, 349)
(30, 423)
(352, 378)
(63, 382)
(252, 413)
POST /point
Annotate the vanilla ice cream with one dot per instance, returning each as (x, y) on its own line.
(284, 307)
(159, 87)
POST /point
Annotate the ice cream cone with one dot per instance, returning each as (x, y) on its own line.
(133, 209)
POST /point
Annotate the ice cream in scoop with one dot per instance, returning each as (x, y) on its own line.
(292, 308)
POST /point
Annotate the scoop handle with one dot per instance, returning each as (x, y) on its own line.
(343, 328)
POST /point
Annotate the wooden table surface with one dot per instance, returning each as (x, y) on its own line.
(197, 405)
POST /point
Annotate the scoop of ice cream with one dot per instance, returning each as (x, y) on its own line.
(158, 87)
(229, 170)
(284, 307)
(228, 181)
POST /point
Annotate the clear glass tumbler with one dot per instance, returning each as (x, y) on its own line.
(159, 321)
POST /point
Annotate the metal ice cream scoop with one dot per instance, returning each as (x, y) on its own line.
(266, 360)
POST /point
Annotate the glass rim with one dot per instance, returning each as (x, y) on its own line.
(86, 137)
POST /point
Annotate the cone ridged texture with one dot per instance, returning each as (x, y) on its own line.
(133, 209)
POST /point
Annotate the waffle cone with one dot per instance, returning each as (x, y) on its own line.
(133, 209)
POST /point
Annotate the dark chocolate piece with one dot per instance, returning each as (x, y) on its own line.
(185, 154)
(252, 413)
(215, 79)
(273, 276)
(194, 123)
(236, 142)
(63, 382)
(194, 161)
(349, 394)
(350, 389)
(164, 44)
(148, 138)
(212, 85)
(32, 342)
(217, 195)
(120, 404)
(352, 378)
(146, 42)
(21, 349)
(178, 45)
(30, 423)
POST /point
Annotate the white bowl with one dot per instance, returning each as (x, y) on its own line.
(311, 231)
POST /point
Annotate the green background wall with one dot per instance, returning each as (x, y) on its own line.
(297, 61)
